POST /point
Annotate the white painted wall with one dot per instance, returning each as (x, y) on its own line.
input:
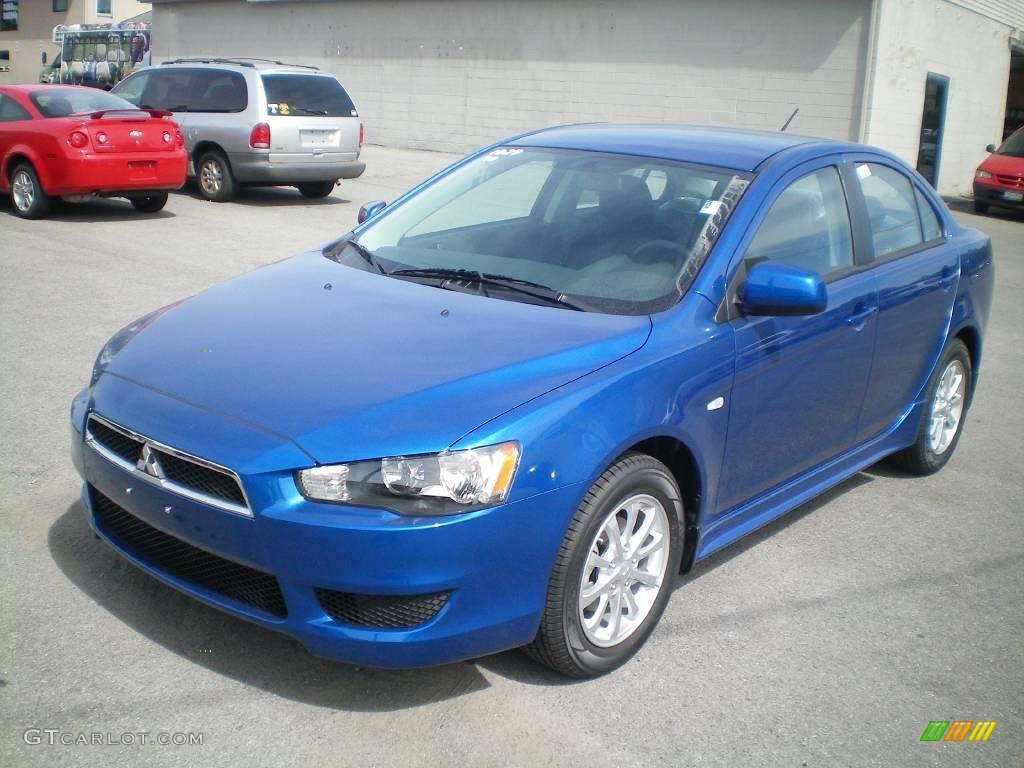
(457, 74)
(916, 37)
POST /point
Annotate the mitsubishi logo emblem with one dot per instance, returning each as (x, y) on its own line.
(149, 463)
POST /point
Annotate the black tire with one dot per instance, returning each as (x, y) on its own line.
(218, 184)
(39, 204)
(150, 204)
(316, 189)
(980, 207)
(561, 642)
(920, 458)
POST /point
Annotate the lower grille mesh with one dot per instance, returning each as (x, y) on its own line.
(380, 611)
(186, 562)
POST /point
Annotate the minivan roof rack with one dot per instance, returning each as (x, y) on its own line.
(242, 61)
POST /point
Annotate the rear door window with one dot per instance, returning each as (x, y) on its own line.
(892, 209)
(305, 95)
(196, 90)
(10, 110)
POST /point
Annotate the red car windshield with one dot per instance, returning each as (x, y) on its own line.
(60, 102)
(1013, 146)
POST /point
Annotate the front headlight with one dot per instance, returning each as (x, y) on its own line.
(438, 484)
(982, 175)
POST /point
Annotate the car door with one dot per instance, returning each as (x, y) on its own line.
(800, 381)
(13, 123)
(917, 272)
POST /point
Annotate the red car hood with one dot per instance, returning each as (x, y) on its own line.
(1004, 165)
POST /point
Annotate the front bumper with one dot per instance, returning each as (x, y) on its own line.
(492, 565)
(996, 194)
(262, 168)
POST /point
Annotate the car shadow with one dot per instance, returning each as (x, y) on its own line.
(98, 210)
(265, 196)
(229, 646)
(965, 205)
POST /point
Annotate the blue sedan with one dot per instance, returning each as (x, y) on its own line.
(509, 408)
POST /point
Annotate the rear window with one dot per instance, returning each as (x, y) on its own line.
(305, 95)
(58, 102)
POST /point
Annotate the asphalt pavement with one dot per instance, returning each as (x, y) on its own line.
(831, 637)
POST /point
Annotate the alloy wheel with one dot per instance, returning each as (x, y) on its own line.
(624, 571)
(947, 407)
(211, 177)
(23, 191)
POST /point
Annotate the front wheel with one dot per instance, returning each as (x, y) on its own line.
(150, 204)
(316, 190)
(948, 394)
(614, 572)
(27, 195)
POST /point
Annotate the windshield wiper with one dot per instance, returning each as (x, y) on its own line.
(369, 256)
(309, 111)
(515, 284)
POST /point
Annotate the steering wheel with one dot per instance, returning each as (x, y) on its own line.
(666, 245)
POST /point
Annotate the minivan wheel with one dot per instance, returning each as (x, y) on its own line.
(213, 175)
(150, 204)
(943, 422)
(27, 195)
(980, 207)
(316, 189)
(614, 571)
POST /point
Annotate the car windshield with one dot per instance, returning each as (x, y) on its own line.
(59, 102)
(1013, 146)
(304, 95)
(610, 233)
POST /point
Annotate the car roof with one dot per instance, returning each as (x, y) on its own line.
(33, 87)
(242, 64)
(735, 148)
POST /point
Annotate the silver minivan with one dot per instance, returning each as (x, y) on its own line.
(254, 122)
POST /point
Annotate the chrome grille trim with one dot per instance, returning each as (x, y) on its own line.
(163, 482)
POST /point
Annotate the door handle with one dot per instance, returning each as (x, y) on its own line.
(946, 278)
(860, 317)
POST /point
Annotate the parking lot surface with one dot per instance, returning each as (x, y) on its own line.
(831, 637)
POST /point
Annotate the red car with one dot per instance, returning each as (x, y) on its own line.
(79, 143)
(1000, 179)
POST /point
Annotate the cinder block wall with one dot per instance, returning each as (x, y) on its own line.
(921, 36)
(457, 74)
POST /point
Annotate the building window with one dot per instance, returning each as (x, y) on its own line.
(8, 15)
(60, 6)
(5, 61)
(103, 7)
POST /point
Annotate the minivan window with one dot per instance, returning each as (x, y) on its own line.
(304, 95)
(194, 90)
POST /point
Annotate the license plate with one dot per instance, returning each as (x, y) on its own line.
(1013, 197)
(141, 170)
(319, 138)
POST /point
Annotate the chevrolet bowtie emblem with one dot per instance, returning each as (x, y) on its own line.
(135, 134)
(149, 463)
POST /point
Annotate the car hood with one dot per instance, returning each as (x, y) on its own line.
(353, 365)
(1004, 165)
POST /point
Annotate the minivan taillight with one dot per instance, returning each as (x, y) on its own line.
(360, 134)
(78, 140)
(260, 136)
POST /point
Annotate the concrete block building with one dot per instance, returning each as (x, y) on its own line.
(927, 79)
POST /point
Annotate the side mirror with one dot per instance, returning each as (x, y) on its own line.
(778, 289)
(990, 148)
(371, 209)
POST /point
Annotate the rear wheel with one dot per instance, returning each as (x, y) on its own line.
(27, 195)
(941, 427)
(150, 204)
(214, 177)
(980, 207)
(316, 190)
(614, 572)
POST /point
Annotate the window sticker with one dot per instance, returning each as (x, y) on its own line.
(711, 207)
(272, 109)
(284, 109)
(863, 171)
(490, 157)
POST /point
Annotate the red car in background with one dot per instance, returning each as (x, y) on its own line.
(78, 143)
(1000, 179)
